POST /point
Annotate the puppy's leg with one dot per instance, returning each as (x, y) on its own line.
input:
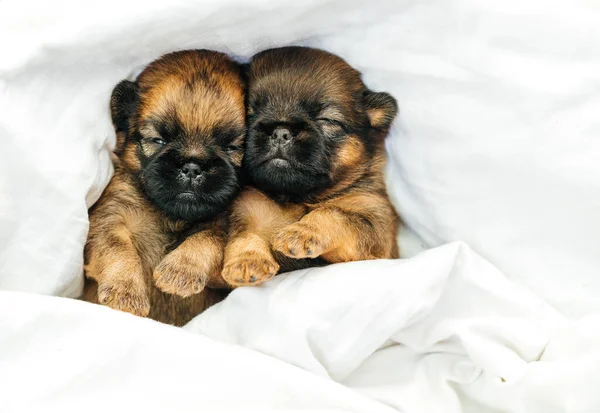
(254, 220)
(113, 262)
(111, 256)
(186, 270)
(349, 228)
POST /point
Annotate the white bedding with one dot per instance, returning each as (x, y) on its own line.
(442, 332)
(496, 145)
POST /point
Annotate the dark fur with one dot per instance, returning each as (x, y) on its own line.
(319, 192)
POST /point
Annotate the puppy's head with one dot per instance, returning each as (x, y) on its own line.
(181, 126)
(312, 122)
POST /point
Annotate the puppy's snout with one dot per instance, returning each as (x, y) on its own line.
(281, 136)
(191, 170)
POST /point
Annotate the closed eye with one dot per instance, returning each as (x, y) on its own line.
(228, 136)
(234, 142)
(328, 120)
(332, 122)
(159, 141)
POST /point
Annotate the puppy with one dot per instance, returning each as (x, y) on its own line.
(158, 232)
(315, 157)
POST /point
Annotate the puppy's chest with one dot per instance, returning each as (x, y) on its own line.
(173, 228)
(155, 239)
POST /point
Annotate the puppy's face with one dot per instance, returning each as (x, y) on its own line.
(311, 121)
(183, 122)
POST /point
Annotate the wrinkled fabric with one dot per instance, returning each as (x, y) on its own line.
(62, 355)
(444, 331)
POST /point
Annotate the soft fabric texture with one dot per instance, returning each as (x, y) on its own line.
(441, 332)
(496, 145)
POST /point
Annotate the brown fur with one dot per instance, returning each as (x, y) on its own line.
(138, 259)
(351, 218)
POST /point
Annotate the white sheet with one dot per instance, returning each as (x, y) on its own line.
(496, 144)
(443, 332)
(432, 334)
(60, 355)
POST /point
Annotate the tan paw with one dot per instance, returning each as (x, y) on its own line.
(127, 295)
(249, 268)
(182, 274)
(299, 241)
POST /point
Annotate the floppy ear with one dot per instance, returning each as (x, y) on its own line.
(381, 108)
(123, 104)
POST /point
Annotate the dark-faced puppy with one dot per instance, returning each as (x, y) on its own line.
(161, 222)
(314, 156)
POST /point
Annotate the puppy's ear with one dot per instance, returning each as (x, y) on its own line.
(123, 104)
(381, 108)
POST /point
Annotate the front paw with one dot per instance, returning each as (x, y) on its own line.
(299, 241)
(180, 274)
(249, 268)
(127, 295)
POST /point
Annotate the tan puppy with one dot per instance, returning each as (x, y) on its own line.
(157, 234)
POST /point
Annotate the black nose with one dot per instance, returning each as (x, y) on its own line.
(281, 135)
(191, 170)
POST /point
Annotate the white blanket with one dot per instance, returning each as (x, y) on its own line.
(427, 334)
(442, 332)
(496, 145)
